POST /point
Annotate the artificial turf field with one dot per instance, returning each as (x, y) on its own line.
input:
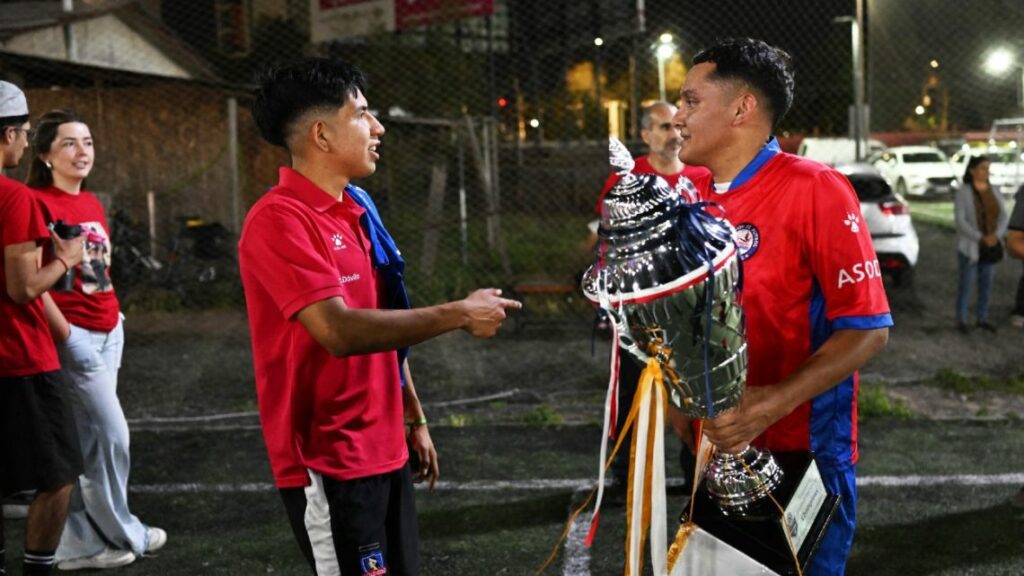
(508, 490)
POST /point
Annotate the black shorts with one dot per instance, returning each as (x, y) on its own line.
(38, 443)
(362, 527)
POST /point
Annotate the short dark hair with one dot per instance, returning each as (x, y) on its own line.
(40, 176)
(12, 122)
(765, 68)
(286, 92)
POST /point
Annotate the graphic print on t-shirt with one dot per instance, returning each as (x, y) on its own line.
(94, 271)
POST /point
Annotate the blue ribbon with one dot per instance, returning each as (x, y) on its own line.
(699, 234)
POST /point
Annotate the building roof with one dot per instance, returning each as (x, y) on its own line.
(19, 17)
(22, 17)
(38, 72)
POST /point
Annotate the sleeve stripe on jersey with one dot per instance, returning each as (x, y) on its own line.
(862, 322)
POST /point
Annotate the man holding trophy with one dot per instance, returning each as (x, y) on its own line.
(752, 312)
(815, 307)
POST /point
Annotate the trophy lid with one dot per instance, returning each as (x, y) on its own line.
(652, 242)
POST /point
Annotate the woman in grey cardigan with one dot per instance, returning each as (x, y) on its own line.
(980, 219)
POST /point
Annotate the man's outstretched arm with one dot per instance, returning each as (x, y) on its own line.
(345, 331)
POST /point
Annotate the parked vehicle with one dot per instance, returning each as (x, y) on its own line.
(916, 170)
(1006, 173)
(887, 216)
(835, 151)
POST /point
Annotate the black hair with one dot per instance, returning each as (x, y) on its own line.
(971, 165)
(286, 92)
(12, 122)
(40, 176)
(765, 68)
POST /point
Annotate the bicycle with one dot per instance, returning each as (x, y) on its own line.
(200, 269)
(201, 264)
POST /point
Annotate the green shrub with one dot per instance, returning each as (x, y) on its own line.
(874, 402)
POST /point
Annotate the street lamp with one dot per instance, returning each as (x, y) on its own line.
(664, 50)
(858, 113)
(999, 62)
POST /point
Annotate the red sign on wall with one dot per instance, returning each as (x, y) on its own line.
(410, 13)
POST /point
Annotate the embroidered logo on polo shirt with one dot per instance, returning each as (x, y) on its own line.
(337, 241)
(747, 240)
(852, 221)
(348, 278)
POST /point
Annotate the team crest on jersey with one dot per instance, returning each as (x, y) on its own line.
(853, 222)
(748, 239)
(372, 563)
(337, 241)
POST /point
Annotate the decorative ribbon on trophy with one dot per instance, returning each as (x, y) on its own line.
(669, 274)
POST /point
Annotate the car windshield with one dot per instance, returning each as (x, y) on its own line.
(1004, 156)
(923, 158)
(869, 188)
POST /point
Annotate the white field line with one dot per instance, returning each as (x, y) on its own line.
(581, 484)
(577, 555)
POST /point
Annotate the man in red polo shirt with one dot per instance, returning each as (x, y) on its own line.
(330, 325)
(38, 443)
(662, 158)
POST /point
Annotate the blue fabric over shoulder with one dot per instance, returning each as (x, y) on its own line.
(386, 258)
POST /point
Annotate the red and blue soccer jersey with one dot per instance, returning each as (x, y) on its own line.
(809, 269)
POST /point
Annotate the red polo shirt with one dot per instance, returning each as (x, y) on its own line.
(26, 347)
(340, 417)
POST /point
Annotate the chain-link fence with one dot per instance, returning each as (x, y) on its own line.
(497, 111)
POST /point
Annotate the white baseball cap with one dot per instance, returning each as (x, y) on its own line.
(12, 101)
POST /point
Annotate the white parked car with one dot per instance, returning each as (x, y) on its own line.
(1006, 173)
(835, 151)
(916, 170)
(887, 216)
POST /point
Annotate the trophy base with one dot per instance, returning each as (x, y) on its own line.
(809, 509)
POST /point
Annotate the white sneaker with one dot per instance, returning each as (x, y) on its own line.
(108, 558)
(155, 539)
(1017, 321)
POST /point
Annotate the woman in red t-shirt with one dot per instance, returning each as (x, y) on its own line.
(100, 532)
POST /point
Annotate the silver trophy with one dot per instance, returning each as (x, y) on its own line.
(670, 273)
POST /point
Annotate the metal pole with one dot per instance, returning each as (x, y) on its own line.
(463, 221)
(661, 77)
(1021, 95)
(859, 117)
(70, 43)
(236, 188)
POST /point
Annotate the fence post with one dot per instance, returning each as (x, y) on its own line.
(236, 191)
(434, 220)
(151, 214)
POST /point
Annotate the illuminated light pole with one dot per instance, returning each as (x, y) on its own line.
(999, 62)
(664, 50)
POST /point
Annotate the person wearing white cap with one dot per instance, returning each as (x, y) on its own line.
(38, 441)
